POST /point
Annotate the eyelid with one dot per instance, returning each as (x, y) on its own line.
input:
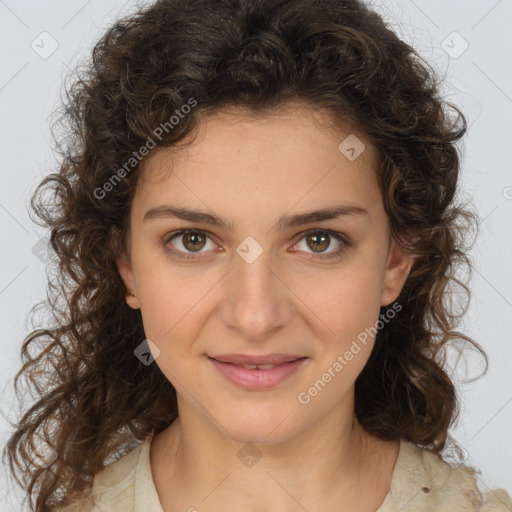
(184, 231)
(344, 240)
(340, 237)
(335, 234)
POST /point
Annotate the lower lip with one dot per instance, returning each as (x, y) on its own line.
(255, 379)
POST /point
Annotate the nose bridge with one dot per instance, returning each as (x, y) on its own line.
(252, 268)
(257, 302)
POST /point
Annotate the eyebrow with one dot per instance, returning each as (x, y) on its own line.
(335, 212)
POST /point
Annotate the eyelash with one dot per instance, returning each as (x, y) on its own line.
(345, 243)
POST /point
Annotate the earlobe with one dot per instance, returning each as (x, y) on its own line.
(125, 269)
(398, 268)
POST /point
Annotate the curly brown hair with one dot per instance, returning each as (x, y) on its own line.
(95, 400)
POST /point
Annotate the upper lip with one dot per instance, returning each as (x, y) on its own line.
(263, 359)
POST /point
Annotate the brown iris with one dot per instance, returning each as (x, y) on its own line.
(193, 241)
(320, 242)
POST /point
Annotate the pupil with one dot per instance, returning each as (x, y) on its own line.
(194, 239)
(318, 240)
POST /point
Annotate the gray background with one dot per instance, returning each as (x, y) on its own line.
(468, 42)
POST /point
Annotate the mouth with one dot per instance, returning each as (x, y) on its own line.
(258, 366)
(263, 362)
(258, 373)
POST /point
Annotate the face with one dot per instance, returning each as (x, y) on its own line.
(255, 275)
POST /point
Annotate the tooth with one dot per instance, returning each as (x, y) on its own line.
(266, 366)
(250, 366)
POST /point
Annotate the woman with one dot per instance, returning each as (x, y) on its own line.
(256, 230)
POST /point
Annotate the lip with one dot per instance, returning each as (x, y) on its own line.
(248, 359)
(255, 379)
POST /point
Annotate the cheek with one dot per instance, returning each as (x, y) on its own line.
(346, 301)
(168, 307)
(170, 297)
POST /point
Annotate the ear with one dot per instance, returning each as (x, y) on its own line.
(398, 266)
(124, 266)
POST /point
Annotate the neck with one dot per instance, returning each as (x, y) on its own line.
(196, 462)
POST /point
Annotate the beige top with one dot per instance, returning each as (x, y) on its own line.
(421, 482)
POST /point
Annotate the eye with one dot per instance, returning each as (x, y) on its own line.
(321, 240)
(189, 241)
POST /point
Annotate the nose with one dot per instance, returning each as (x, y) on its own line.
(256, 301)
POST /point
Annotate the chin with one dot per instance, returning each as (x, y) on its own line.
(262, 425)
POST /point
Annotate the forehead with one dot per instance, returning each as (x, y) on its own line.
(262, 159)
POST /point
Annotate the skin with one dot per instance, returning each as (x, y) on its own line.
(252, 170)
